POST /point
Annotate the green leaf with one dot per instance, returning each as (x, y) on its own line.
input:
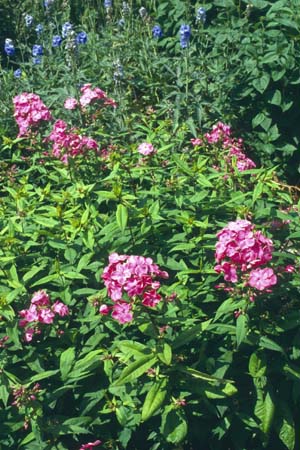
(182, 165)
(261, 83)
(241, 328)
(67, 359)
(265, 342)
(188, 335)
(122, 217)
(133, 348)
(154, 399)
(87, 363)
(269, 410)
(201, 375)
(257, 365)
(285, 426)
(4, 389)
(135, 370)
(33, 271)
(166, 355)
(229, 390)
(257, 191)
(276, 98)
(43, 375)
(174, 426)
(45, 280)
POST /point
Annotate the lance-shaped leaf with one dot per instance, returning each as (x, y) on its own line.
(122, 217)
(154, 399)
(135, 370)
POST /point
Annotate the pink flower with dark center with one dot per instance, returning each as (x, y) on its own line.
(262, 279)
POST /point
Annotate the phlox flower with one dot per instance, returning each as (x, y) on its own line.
(90, 445)
(121, 311)
(29, 112)
(133, 277)
(241, 249)
(233, 148)
(146, 149)
(70, 103)
(68, 144)
(60, 308)
(40, 298)
(90, 95)
(262, 279)
(40, 312)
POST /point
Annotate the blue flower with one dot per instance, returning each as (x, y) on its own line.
(9, 47)
(201, 15)
(56, 41)
(17, 73)
(37, 60)
(185, 34)
(28, 20)
(37, 50)
(107, 4)
(157, 32)
(66, 29)
(81, 38)
(121, 23)
(39, 29)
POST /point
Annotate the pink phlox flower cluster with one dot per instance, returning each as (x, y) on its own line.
(29, 111)
(90, 95)
(134, 276)
(241, 249)
(40, 312)
(68, 144)
(146, 149)
(221, 133)
(90, 445)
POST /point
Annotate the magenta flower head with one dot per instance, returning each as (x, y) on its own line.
(241, 249)
(30, 111)
(134, 278)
